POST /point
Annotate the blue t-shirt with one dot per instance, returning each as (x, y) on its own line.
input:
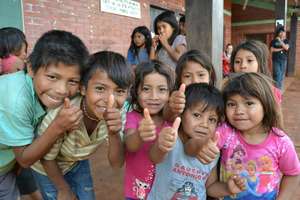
(141, 57)
(20, 112)
(180, 176)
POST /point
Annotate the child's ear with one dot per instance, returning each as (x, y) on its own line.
(29, 70)
(82, 90)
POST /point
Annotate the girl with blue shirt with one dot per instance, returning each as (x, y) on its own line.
(140, 46)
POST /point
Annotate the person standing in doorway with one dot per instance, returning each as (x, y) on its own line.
(279, 49)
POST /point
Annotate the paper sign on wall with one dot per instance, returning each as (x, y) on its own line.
(128, 8)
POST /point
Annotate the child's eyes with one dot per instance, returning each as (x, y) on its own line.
(51, 77)
(74, 82)
(163, 89)
(250, 61)
(197, 115)
(201, 75)
(99, 89)
(121, 92)
(249, 103)
(186, 76)
(213, 120)
(229, 104)
(145, 89)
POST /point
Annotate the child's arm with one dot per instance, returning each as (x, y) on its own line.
(175, 105)
(206, 151)
(215, 188)
(173, 53)
(288, 187)
(113, 120)
(68, 118)
(64, 191)
(146, 132)
(166, 140)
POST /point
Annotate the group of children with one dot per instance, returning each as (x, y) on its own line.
(169, 126)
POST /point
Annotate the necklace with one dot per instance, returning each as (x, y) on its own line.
(86, 113)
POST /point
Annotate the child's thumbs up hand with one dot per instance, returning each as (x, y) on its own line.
(168, 136)
(209, 150)
(177, 100)
(67, 103)
(68, 118)
(147, 127)
(112, 116)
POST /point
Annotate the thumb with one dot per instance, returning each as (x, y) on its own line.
(67, 103)
(176, 123)
(147, 114)
(182, 88)
(111, 101)
(215, 138)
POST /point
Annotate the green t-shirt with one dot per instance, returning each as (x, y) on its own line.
(20, 113)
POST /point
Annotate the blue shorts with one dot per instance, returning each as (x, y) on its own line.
(79, 179)
(8, 187)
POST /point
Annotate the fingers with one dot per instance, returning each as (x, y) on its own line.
(240, 182)
(67, 103)
(215, 139)
(205, 158)
(111, 101)
(176, 124)
(182, 88)
(147, 114)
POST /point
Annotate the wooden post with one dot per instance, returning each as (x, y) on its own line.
(280, 13)
(292, 42)
(204, 21)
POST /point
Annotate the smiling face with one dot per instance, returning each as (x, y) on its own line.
(153, 93)
(245, 114)
(99, 88)
(193, 72)
(55, 82)
(199, 123)
(165, 29)
(245, 61)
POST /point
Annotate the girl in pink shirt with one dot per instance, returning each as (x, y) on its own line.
(150, 93)
(251, 143)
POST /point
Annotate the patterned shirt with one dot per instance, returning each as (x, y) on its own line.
(262, 165)
(74, 146)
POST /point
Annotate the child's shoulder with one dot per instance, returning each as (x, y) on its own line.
(18, 89)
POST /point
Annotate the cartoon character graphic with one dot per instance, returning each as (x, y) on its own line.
(252, 179)
(186, 192)
(267, 175)
(140, 189)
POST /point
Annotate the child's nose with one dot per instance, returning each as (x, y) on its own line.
(61, 89)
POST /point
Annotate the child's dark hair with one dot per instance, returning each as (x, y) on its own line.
(198, 57)
(11, 41)
(260, 51)
(57, 46)
(168, 17)
(182, 19)
(114, 64)
(255, 85)
(148, 41)
(206, 94)
(144, 69)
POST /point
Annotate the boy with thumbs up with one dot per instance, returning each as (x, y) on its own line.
(179, 176)
(64, 172)
(53, 75)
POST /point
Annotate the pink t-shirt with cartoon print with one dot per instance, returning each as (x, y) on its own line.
(139, 170)
(262, 165)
